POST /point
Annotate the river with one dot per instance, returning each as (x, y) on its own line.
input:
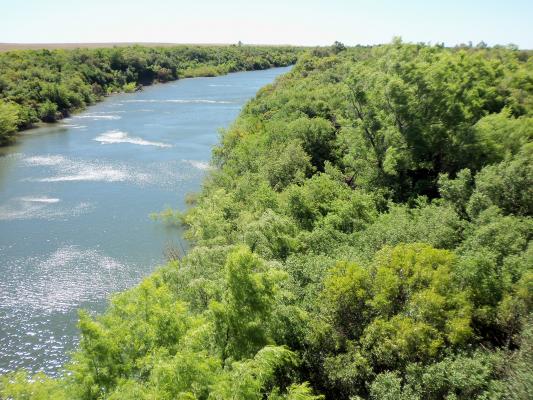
(75, 200)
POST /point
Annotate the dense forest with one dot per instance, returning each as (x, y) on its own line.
(364, 234)
(44, 85)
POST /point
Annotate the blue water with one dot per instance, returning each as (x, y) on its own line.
(75, 200)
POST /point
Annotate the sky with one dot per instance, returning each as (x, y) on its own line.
(298, 22)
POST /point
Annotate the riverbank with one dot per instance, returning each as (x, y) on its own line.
(49, 85)
(353, 242)
(199, 72)
(76, 199)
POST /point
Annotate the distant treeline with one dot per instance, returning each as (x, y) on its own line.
(46, 85)
(365, 233)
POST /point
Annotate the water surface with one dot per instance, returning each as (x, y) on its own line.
(75, 199)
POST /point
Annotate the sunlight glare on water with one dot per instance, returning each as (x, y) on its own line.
(75, 199)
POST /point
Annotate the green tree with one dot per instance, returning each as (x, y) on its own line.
(242, 318)
(404, 309)
(9, 118)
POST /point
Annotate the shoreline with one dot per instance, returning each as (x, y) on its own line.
(43, 124)
(80, 149)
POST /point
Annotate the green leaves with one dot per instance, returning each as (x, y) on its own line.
(508, 185)
(19, 386)
(288, 164)
(414, 110)
(464, 376)
(242, 318)
(48, 85)
(404, 308)
(9, 118)
(367, 229)
(248, 379)
(346, 294)
(396, 246)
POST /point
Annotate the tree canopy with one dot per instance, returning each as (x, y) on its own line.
(46, 85)
(365, 234)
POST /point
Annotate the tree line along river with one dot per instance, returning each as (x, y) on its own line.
(75, 199)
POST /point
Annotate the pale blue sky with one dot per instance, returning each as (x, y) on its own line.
(306, 22)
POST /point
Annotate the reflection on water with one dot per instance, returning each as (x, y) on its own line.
(75, 199)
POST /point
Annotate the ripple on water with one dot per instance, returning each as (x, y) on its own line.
(180, 101)
(63, 280)
(40, 208)
(167, 174)
(97, 116)
(201, 165)
(116, 136)
(38, 306)
(44, 199)
(74, 126)
(43, 283)
(68, 170)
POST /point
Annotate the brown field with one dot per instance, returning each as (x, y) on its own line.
(51, 46)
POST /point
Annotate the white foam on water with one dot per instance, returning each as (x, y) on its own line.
(105, 174)
(97, 116)
(48, 200)
(71, 170)
(60, 169)
(44, 160)
(201, 101)
(74, 126)
(106, 112)
(116, 136)
(221, 85)
(180, 101)
(202, 165)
